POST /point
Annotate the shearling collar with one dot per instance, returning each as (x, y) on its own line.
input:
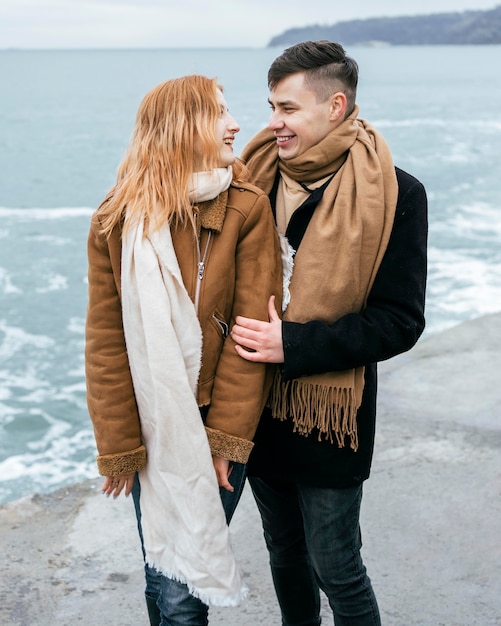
(212, 212)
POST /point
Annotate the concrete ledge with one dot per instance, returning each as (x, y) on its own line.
(430, 514)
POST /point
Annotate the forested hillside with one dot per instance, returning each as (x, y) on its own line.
(466, 28)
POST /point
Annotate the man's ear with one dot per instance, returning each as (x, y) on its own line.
(338, 107)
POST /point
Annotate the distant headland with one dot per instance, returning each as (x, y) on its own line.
(458, 28)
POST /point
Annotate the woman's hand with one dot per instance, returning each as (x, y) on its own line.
(223, 471)
(115, 484)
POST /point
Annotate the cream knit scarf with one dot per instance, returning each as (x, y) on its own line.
(339, 256)
(185, 532)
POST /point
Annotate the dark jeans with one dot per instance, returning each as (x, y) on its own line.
(177, 607)
(313, 538)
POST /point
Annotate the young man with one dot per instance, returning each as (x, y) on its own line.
(358, 229)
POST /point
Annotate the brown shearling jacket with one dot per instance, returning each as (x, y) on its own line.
(238, 246)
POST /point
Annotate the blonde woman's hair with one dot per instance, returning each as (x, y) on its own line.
(153, 177)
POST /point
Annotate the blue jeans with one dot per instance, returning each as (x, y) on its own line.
(314, 540)
(176, 606)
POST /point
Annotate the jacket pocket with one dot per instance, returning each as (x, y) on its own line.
(214, 335)
(225, 328)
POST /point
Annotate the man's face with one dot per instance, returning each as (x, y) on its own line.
(297, 119)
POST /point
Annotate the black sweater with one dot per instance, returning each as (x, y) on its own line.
(391, 323)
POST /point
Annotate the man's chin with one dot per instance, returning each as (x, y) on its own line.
(283, 154)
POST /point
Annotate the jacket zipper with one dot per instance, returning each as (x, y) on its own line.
(201, 269)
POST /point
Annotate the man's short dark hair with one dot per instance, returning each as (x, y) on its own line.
(326, 66)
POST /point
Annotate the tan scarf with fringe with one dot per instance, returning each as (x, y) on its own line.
(337, 262)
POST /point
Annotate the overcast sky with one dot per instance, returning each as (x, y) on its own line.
(188, 23)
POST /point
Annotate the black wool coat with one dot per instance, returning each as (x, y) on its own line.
(391, 323)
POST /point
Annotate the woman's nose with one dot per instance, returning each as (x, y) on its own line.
(233, 125)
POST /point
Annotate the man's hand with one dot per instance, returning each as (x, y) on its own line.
(259, 341)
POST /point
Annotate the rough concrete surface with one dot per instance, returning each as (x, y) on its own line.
(430, 516)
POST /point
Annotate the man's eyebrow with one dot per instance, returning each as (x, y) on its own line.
(282, 103)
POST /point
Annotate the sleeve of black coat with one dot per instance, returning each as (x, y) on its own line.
(393, 319)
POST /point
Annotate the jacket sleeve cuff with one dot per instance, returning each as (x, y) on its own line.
(294, 361)
(122, 463)
(228, 446)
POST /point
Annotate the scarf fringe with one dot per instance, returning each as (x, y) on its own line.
(332, 410)
(220, 601)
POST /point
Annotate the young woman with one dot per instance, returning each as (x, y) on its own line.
(179, 247)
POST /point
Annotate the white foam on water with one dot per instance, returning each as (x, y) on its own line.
(44, 470)
(461, 286)
(7, 413)
(26, 387)
(6, 285)
(55, 282)
(421, 122)
(76, 325)
(481, 220)
(16, 338)
(72, 395)
(60, 455)
(31, 214)
(51, 240)
(453, 126)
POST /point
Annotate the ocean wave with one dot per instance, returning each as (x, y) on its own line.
(76, 325)
(50, 239)
(50, 452)
(66, 460)
(46, 214)
(25, 388)
(423, 122)
(15, 338)
(55, 282)
(475, 226)
(6, 284)
(462, 285)
(7, 412)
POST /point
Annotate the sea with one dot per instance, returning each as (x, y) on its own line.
(65, 121)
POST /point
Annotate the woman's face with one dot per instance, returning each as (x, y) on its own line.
(226, 129)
